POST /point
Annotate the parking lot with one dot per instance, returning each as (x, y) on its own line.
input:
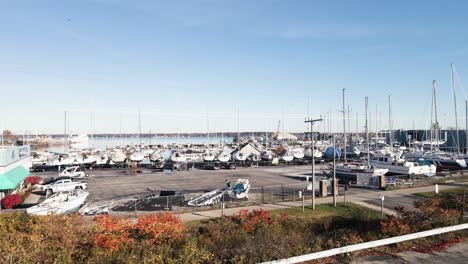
(111, 184)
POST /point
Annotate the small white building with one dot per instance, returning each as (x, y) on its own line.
(247, 150)
(14, 168)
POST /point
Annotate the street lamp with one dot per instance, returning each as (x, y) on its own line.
(312, 121)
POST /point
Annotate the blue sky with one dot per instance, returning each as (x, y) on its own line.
(189, 65)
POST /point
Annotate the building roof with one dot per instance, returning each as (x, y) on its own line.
(12, 178)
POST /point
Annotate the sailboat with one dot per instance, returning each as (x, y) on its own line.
(298, 153)
(137, 156)
(239, 156)
(178, 157)
(443, 161)
(223, 157)
(266, 155)
(60, 203)
(286, 155)
(351, 171)
(208, 156)
(119, 157)
(397, 165)
(308, 153)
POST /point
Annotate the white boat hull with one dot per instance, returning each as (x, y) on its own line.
(406, 170)
(62, 203)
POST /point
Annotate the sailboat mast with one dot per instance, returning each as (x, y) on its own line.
(344, 126)
(432, 111)
(367, 135)
(238, 124)
(65, 139)
(349, 126)
(139, 125)
(436, 122)
(466, 126)
(357, 127)
(455, 106)
(390, 122)
(376, 124)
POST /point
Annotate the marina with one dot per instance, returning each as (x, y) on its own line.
(233, 132)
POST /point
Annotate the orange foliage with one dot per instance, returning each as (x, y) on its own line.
(118, 233)
(250, 220)
(114, 233)
(159, 228)
(394, 226)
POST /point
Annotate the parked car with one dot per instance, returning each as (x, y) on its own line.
(55, 179)
(211, 166)
(63, 185)
(229, 166)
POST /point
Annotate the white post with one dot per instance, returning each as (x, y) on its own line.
(382, 198)
(436, 188)
(302, 196)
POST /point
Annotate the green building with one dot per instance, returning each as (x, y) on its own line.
(14, 168)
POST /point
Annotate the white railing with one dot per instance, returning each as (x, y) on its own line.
(370, 244)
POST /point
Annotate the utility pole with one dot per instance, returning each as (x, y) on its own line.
(312, 121)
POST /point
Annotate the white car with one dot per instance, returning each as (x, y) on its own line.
(65, 185)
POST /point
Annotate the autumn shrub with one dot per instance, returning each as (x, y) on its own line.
(11, 200)
(433, 213)
(155, 238)
(257, 236)
(113, 234)
(159, 228)
(33, 180)
(34, 239)
(249, 221)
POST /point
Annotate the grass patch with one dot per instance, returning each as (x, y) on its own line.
(327, 210)
(321, 211)
(432, 194)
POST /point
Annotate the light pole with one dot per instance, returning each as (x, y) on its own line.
(312, 121)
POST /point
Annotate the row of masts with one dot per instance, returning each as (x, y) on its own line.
(434, 128)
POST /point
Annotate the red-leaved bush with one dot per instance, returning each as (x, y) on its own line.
(159, 228)
(10, 201)
(250, 220)
(33, 180)
(116, 234)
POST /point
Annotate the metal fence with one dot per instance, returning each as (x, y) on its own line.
(179, 203)
(366, 180)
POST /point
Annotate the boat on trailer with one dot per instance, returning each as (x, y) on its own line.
(240, 190)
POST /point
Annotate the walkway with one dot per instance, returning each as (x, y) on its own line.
(363, 197)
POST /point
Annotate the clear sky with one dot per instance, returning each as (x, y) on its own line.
(189, 65)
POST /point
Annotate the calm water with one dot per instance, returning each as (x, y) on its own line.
(104, 142)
